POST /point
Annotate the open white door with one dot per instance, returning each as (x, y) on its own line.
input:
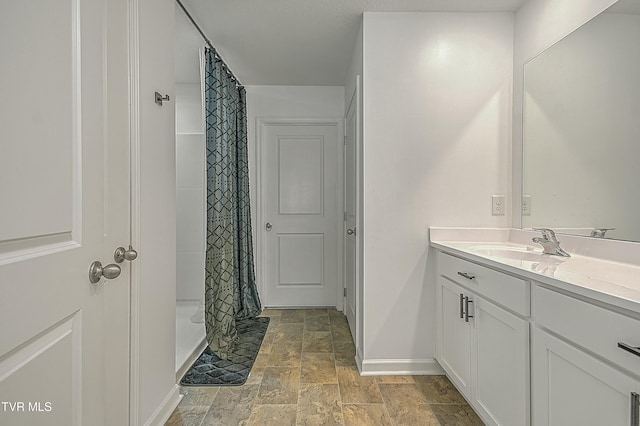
(350, 208)
(61, 206)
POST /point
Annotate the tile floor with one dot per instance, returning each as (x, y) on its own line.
(305, 374)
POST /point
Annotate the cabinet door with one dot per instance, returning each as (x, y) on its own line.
(572, 388)
(500, 364)
(455, 354)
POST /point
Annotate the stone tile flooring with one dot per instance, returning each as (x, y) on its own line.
(305, 374)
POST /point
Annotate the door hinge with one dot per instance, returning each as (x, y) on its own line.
(345, 292)
(345, 139)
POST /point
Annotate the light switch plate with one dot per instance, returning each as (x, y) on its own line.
(497, 205)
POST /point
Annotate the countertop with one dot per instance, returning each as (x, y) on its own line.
(600, 279)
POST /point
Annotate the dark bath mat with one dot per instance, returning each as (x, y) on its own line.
(209, 370)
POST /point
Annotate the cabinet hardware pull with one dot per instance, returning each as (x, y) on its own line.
(466, 309)
(635, 408)
(461, 305)
(466, 275)
(633, 349)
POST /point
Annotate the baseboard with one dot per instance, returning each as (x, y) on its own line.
(192, 358)
(386, 367)
(166, 407)
(359, 360)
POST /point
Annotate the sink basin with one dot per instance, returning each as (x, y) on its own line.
(516, 253)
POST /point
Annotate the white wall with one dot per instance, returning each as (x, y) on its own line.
(582, 103)
(437, 114)
(190, 193)
(538, 25)
(283, 102)
(154, 218)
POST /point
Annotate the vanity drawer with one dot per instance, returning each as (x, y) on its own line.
(509, 291)
(595, 328)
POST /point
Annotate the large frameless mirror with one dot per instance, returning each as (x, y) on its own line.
(582, 129)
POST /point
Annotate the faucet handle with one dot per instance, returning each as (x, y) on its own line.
(599, 232)
(549, 242)
(547, 233)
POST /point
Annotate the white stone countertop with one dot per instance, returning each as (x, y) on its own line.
(591, 271)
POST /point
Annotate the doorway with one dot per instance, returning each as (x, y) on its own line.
(301, 210)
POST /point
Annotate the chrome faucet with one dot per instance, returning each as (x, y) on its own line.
(599, 232)
(549, 242)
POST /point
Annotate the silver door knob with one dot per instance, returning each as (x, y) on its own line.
(121, 254)
(351, 231)
(268, 226)
(97, 271)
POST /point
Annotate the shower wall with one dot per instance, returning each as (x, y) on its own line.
(190, 193)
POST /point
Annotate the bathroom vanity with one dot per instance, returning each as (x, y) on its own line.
(530, 338)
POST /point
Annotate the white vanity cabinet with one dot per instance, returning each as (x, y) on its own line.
(533, 339)
(482, 338)
(579, 374)
(454, 348)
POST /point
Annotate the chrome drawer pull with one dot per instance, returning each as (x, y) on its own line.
(461, 305)
(466, 275)
(633, 349)
(466, 309)
(635, 408)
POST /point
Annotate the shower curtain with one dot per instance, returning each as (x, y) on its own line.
(230, 287)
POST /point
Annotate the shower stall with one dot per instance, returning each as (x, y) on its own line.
(191, 224)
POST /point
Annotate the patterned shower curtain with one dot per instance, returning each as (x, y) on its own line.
(230, 287)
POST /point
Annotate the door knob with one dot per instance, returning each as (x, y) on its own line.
(351, 231)
(268, 226)
(97, 271)
(120, 255)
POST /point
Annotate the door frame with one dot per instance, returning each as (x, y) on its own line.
(259, 246)
(134, 167)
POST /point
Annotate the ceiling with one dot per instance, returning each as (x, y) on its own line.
(292, 42)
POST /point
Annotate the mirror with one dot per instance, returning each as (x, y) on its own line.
(581, 165)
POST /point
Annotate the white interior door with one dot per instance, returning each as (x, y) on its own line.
(300, 196)
(53, 220)
(350, 208)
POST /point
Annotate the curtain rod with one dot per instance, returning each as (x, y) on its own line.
(215, 52)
